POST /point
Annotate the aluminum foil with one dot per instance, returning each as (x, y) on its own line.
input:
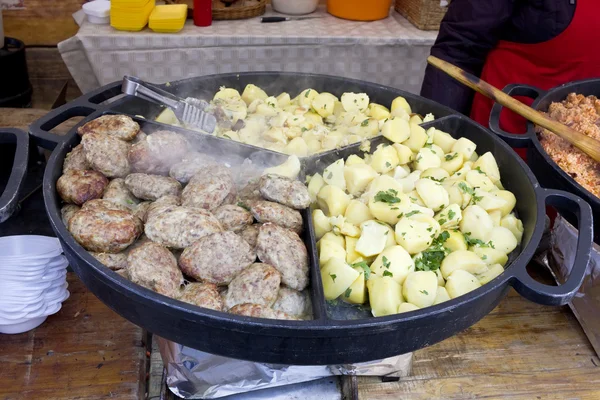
(193, 374)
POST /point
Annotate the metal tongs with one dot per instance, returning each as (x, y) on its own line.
(189, 111)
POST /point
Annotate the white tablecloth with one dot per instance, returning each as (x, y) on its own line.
(391, 52)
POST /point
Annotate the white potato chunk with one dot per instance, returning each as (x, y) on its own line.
(297, 146)
(405, 154)
(357, 292)
(353, 102)
(503, 239)
(384, 159)
(353, 159)
(351, 254)
(315, 184)
(332, 237)
(408, 184)
(461, 282)
(416, 235)
(266, 110)
(415, 119)
(416, 199)
(321, 223)
(406, 307)
(306, 97)
(358, 177)
(437, 174)
(284, 99)
(373, 238)
(252, 92)
(420, 288)
(479, 179)
(227, 94)
(333, 200)
(378, 111)
(357, 212)
(400, 172)
(510, 201)
(455, 195)
(432, 193)
(449, 217)
(440, 278)
(290, 168)
(387, 205)
(487, 200)
(400, 102)
(514, 225)
(385, 295)
(418, 138)
(426, 158)
(382, 183)
(494, 271)
(337, 276)
(477, 223)
(487, 163)
(416, 208)
(456, 241)
(444, 140)
(465, 147)
(330, 249)
(452, 162)
(323, 104)
(441, 295)
(462, 259)
(394, 262)
(490, 256)
(334, 174)
(396, 130)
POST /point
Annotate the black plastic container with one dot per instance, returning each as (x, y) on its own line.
(15, 88)
(545, 169)
(323, 340)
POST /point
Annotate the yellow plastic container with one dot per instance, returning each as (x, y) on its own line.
(359, 10)
(127, 17)
(168, 18)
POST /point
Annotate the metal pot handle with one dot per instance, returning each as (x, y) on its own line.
(41, 128)
(514, 140)
(9, 199)
(561, 294)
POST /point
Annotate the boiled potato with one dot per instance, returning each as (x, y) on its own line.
(332, 237)
(416, 235)
(334, 174)
(416, 208)
(436, 174)
(455, 195)
(323, 104)
(373, 238)
(441, 295)
(462, 259)
(321, 223)
(351, 255)
(427, 158)
(314, 119)
(456, 241)
(440, 278)
(396, 130)
(465, 147)
(358, 177)
(407, 184)
(420, 288)
(385, 295)
(266, 110)
(510, 201)
(452, 162)
(429, 133)
(474, 157)
(405, 154)
(487, 200)
(496, 216)
(449, 217)
(252, 92)
(284, 99)
(226, 94)
(432, 193)
(444, 140)
(290, 168)
(329, 249)
(514, 225)
(394, 262)
(357, 212)
(353, 159)
(337, 276)
(306, 97)
(315, 184)
(378, 111)
(490, 256)
(415, 119)
(353, 102)
(418, 138)
(406, 307)
(400, 172)
(479, 179)
(417, 200)
(494, 271)
(503, 239)
(477, 223)
(167, 116)
(388, 206)
(357, 292)
(461, 282)
(400, 102)
(383, 183)
(384, 159)
(487, 163)
(333, 200)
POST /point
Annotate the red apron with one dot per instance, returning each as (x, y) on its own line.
(572, 55)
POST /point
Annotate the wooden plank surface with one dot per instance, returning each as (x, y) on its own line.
(85, 351)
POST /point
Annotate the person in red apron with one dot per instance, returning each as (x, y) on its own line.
(543, 43)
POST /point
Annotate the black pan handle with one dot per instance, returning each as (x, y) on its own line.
(95, 98)
(514, 140)
(9, 199)
(562, 294)
(41, 128)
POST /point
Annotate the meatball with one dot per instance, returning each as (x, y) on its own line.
(250, 192)
(217, 258)
(106, 154)
(152, 187)
(67, 213)
(191, 164)
(158, 152)
(77, 187)
(141, 210)
(257, 284)
(101, 204)
(117, 192)
(233, 218)
(113, 261)
(250, 234)
(285, 191)
(105, 231)
(75, 160)
(179, 227)
(119, 126)
(284, 250)
(154, 267)
(258, 311)
(202, 295)
(293, 302)
(209, 188)
(268, 211)
(168, 200)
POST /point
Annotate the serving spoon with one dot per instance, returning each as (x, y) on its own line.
(588, 145)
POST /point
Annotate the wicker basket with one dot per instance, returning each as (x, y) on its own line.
(424, 14)
(220, 12)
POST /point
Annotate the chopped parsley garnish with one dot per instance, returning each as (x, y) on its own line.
(227, 136)
(347, 293)
(330, 175)
(130, 201)
(365, 122)
(425, 292)
(386, 262)
(304, 129)
(388, 273)
(389, 196)
(478, 169)
(484, 257)
(451, 156)
(451, 214)
(410, 214)
(419, 158)
(442, 221)
(476, 242)
(469, 190)
(429, 229)
(431, 259)
(333, 276)
(306, 94)
(437, 180)
(244, 206)
(394, 208)
(365, 268)
(387, 164)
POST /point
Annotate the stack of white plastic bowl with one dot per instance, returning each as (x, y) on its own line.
(33, 281)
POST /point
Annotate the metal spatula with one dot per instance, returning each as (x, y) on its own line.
(190, 111)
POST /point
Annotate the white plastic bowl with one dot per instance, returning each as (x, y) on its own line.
(28, 248)
(295, 7)
(22, 325)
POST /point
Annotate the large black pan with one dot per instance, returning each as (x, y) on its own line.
(324, 340)
(545, 169)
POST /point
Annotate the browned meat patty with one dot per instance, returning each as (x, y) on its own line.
(250, 235)
(179, 227)
(293, 302)
(101, 204)
(77, 187)
(258, 311)
(257, 284)
(117, 192)
(250, 192)
(76, 159)
(209, 188)
(284, 250)
(141, 240)
(141, 136)
(191, 164)
(283, 190)
(233, 218)
(158, 152)
(67, 212)
(113, 261)
(268, 211)
(119, 126)
(202, 295)
(141, 210)
(106, 154)
(168, 200)
(152, 187)
(217, 258)
(154, 267)
(105, 231)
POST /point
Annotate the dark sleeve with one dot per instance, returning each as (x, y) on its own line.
(470, 29)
